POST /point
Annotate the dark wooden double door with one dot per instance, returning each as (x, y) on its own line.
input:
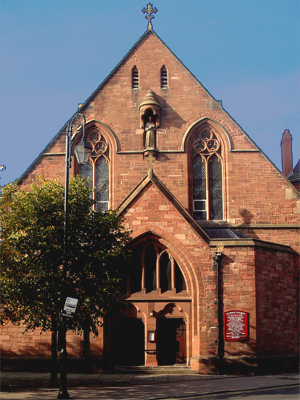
(170, 342)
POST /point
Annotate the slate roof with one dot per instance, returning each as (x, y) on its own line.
(224, 233)
(294, 176)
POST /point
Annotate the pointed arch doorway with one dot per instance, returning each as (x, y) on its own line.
(157, 289)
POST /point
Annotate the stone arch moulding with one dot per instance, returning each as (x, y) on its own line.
(137, 312)
(108, 132)
(184, 260)
(227, 141)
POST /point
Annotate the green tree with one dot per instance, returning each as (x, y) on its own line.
(32, 278)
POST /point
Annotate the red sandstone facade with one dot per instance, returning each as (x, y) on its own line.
(257, 238)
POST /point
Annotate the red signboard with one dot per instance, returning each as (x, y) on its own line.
(236, 325)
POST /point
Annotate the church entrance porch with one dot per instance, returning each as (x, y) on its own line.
(152, 334)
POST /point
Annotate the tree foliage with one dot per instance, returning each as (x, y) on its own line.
(33, 282)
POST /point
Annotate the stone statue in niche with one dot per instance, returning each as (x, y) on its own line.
(150, 134)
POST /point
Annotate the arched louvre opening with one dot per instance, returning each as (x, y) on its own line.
(135, 78)
(97, 170)
(163, 77)
(207, 176)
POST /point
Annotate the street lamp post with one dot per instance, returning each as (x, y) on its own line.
(82, 152)
(2, 168)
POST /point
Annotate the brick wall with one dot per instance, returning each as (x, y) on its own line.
(277, 303)
(16, 343)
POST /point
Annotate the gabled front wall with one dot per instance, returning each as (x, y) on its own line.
(183, 103)
(257, 199)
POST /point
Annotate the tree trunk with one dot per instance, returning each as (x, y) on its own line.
(53, 378)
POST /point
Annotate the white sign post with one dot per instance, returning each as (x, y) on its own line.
(69, 307)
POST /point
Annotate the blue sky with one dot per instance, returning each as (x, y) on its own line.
(55, 53)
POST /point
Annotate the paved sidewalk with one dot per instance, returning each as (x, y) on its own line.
(35, 386)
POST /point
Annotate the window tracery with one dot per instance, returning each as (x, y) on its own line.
(154, 269)
(207, 175)
(97, 170)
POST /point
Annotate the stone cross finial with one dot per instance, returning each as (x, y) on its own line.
(149, 10)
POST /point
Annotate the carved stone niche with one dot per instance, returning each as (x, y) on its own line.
(149, 107)
(149, 121)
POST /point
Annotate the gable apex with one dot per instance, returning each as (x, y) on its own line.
(152, 178)
(149, 33)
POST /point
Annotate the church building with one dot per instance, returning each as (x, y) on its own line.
(215, 225)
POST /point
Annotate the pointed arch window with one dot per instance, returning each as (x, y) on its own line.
(207, 176)
(163, 77)
(154, 269)
(165, 272)
(135, 78)
(97, 170)
(150, 268)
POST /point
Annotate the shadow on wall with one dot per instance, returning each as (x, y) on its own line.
(247, 217)
(174, 119)
(38, 358)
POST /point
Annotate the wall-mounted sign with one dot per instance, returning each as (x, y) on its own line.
(151, 336)
(236, 325)
(69, 307)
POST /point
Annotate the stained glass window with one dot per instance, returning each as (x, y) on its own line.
(199, 188)
(165, 272)
(97, 170)
(215, 188)
(102, 184)
(147, 261)
(207, 176)
(179, 279)
(150, 268)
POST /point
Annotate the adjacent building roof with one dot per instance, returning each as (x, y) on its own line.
(294, 176)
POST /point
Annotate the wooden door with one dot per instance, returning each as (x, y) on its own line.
(181, 340)
(130, 342)
(171, 341)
